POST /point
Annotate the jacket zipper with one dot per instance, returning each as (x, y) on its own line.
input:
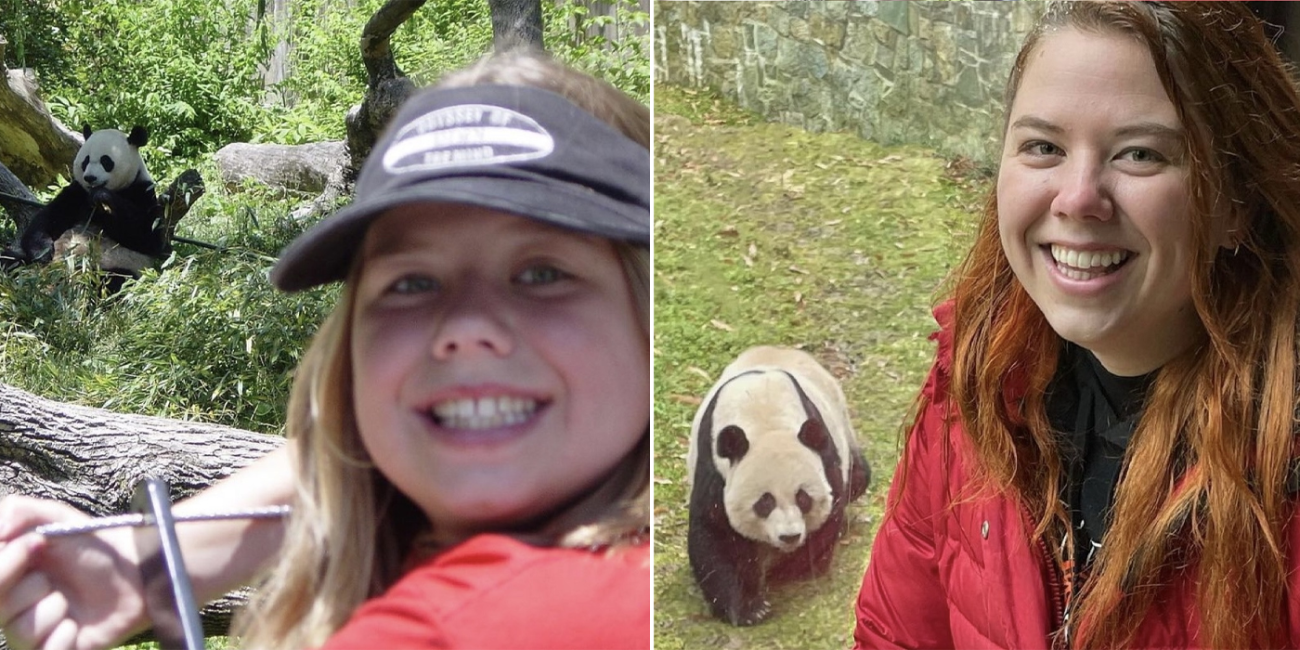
(1054, 578)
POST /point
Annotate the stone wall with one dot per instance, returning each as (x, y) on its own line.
(929, 73)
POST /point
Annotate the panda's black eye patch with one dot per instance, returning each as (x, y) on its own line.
(106, 162)
(765, 505)
(804, 501)
(85, 162)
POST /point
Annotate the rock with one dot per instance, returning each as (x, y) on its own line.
(307, 168)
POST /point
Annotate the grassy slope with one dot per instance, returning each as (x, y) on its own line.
(767, 234)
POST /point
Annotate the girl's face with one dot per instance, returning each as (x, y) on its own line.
(1093, 200)
(501, 367)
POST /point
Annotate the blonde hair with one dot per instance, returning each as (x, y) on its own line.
(329, 565)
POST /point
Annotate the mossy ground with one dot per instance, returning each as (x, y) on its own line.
(765, 233)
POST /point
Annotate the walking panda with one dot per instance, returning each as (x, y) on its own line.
(109, 208)
(773, 462)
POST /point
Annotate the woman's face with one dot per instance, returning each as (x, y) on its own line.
(500, 366)
(1093, 200)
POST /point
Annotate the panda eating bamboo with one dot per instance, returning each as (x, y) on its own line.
(110, 207)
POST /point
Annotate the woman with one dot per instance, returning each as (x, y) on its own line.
(1102, 451)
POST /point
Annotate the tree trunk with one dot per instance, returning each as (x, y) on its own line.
(386, 85)
(515, 24)
(18, 201)
(34, 145)
(277, 66)
(92, 458)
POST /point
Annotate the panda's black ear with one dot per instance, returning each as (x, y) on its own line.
(732, 443)
(138, 137)
(813, 435)
(85, 130)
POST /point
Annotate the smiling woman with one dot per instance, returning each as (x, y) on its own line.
(1093, 207)
(1101, 454)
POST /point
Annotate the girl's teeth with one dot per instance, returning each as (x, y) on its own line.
(484, 413)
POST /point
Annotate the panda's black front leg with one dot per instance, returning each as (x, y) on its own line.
(728, 567)
(70, 206)
(729, 570)
(129, 218)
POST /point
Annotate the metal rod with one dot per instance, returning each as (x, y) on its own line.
(137, 520)
(168, 594)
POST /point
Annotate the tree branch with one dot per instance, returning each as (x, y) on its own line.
(376, 51)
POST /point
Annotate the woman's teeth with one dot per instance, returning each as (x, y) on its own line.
(1086, 265)
(483, 413)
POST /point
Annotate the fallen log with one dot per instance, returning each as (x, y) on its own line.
(92, 458)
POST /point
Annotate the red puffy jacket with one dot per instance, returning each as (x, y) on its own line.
(951, 568)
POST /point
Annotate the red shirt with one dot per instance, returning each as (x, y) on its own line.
(493, 591)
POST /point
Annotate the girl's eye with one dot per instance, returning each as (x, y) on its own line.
(541, 274)
(1040, 148)
(410, 284)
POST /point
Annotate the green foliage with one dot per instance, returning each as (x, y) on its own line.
(35, 31)
(188, 70)
(326, 73)
(441, 37)
(209, 643)
(192, 70)
(576, 34)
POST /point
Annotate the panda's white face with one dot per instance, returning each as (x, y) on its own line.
(109, 160)
(779, 508)
(774, 486)
(776, 490)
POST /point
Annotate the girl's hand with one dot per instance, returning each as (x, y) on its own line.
(76, 592)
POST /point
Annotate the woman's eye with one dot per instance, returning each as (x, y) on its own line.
(409, 284)
(541, 274)
(1141, 155)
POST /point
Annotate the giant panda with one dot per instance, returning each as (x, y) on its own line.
(773, 461)
(110, 209)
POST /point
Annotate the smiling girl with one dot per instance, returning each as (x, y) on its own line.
(1102, 452)
(469, 430)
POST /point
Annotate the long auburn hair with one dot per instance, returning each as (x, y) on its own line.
(330, 561)
(1202, 495)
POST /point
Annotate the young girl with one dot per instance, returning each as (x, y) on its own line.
(469, 429)
(1104, 454)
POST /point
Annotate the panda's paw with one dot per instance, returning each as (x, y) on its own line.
(36, 248)
(12, 258)
(102, 199)
(754, 613)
